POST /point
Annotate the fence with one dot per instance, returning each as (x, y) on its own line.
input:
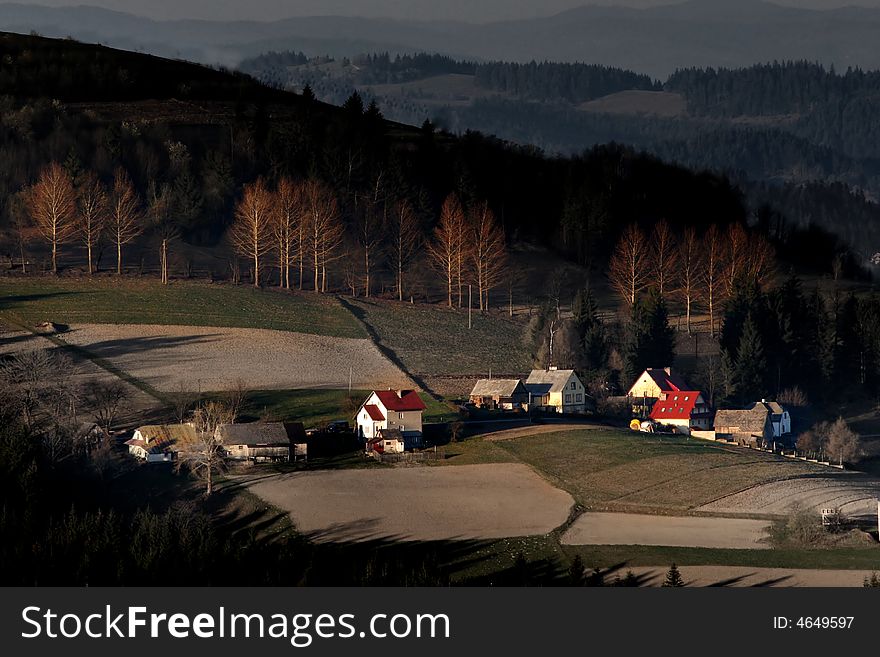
(411, 457)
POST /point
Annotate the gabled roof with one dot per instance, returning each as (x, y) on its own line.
(752, 420)
(773, 407)
(541, 382)
(255, 433)
(666, 379)
(158, 438)
(374, 412)
(498, 388)
(677, 405)
(399, 401)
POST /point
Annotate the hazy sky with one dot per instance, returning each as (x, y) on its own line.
(469, 10)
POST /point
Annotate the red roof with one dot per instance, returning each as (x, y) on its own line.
(374, 412)
(407, 400)
(677, 405)
(666, 381)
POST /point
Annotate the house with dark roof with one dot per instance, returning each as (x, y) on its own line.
(494, 394)
(747, 427)
(559, 391)
(392, 410)
(259, 442)
(684, 410)
(780, 418)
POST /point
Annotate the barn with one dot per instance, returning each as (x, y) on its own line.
(499, 394)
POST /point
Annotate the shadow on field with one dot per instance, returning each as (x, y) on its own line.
(133, 345)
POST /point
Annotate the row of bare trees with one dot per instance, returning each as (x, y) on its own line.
(691, 268)
(468, 245)
(65, 209)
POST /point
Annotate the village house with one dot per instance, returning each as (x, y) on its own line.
(780, 419)
(392, 409)
(685, 411)
(746, 427)
(259, 442)
(500, 394)
(557, 391)
(162, 443)
(652, 385)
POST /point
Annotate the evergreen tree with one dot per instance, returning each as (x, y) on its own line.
(673, 578)
(751, 363)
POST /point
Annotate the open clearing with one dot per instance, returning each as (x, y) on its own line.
(411, 504)
(213, 359)
(633, 529)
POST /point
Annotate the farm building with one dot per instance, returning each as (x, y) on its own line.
(389, 441)
(392, 409)
(685, 411)
(747, 427)
(558, 391)
(259, 442)
(780, 419)
(651, 386)
(162, 443)
(494, 394)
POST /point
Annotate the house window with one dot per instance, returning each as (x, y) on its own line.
(568, 399)
(686, 398)
(400, 416)
(579, 398)
(573, 385)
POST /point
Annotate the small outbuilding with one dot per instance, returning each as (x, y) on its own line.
(162, 443)
(500, 394)
(260, 442)
(746, 427)
(780, 418)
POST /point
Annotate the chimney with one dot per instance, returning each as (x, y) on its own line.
(668, 370)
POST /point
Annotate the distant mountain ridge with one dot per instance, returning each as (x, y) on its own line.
(656, 40)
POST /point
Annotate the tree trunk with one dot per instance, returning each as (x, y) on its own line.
(399, 281)
(118, 257)
(89, 249)
(210, 480)
(54, 257)
(256, 271)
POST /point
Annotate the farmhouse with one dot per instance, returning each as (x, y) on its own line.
(747, 427)
(162, 443)
(684, 410)
(494, 394)
(392, 409)
(780, 419)
(259, 442)
(558, 391)
(651, 385)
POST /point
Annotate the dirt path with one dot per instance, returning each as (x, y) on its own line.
(742, 576)
(456, 502)
(633, 529)
(537, 430)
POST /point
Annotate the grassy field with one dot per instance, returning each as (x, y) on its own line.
(619, 470)
(316, 407)
(436, 341)
(108, 300)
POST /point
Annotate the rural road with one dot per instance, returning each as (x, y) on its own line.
(633, 529)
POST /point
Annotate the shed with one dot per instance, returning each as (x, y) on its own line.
(162, 443)
(747, 427)
(258, 442)
(507, 394)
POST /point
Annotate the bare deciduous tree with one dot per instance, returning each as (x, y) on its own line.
(325, 229)
(665, 259)
(447, 246)
(488, 251)
(690, 268)
(630, 267)
(236, 398)
(249, 233)
(125, 214)
(843, 443)
(206, 457)
(761, 259)
(737, 256)
(92, 205)
(287, 229)
(713, 272)
(165, 224)
(406, 237)
(371, 226)
(106, 400)
(51, 203)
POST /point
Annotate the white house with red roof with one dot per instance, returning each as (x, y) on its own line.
(384, 410)
(684, 410)
(656, 380)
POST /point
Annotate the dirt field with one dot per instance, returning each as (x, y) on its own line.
(855, 495)
(212, 359)
(632, 529)
(465, 502)
(740, 576)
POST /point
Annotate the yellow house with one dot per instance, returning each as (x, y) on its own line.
(654, 381)
(560, 391)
